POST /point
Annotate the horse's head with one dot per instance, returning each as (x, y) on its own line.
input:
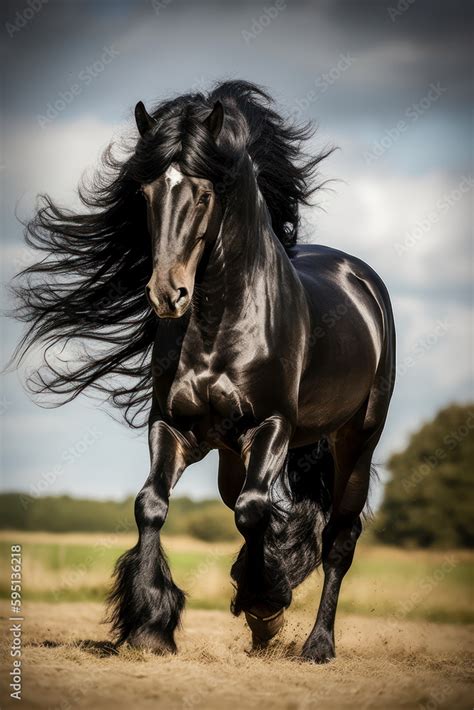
(183, 214)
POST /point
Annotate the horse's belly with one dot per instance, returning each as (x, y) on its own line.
(331, 393)
(321, 418)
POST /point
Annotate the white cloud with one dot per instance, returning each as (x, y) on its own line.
(53, 159)
(412, 228)
(367, 215)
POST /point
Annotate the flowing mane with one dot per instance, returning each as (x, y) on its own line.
(88, 287)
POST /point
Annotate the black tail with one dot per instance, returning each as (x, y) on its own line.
(308, 488)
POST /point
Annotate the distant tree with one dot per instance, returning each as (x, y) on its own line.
(212, 523)
(428, 501)
(19, 511)
(208, 520)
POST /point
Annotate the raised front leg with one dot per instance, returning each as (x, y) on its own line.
(262, 589)
(145, 602)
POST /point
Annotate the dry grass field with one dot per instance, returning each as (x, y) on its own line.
(404, 634)
(386, 582)
(380, 664)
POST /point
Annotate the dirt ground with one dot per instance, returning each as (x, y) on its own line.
(380, 664)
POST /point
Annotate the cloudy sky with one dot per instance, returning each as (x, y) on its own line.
(389, 82)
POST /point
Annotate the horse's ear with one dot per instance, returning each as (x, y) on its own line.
(143, 119)
(215, 120)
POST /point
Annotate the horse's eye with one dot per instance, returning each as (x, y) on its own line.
(204, 199)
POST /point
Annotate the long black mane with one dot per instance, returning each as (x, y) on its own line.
(87, 290)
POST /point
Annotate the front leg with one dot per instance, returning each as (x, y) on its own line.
(262, 588)
(145, 602)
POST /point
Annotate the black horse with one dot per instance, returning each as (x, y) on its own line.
(279, 355)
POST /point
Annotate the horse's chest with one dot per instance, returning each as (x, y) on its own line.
(232, 382)
(200, 393)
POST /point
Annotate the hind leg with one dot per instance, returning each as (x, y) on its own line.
(339, 540)
(352, 455)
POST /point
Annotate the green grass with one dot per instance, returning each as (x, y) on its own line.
(382, 582)
(59, 571)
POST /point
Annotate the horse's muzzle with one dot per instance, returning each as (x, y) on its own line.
(172, 303)
(264, 629)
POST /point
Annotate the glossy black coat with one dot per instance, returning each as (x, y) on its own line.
(281, 356)
(282, 353)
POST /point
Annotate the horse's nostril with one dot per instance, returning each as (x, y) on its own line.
(182, 294)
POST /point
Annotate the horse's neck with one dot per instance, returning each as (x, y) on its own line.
(247, 274)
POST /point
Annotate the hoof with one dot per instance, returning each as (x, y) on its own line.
(264, 628)
(319, 651)
(147, 640)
